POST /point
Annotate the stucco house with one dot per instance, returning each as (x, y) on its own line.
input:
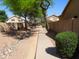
(68, 20)
(52, 18)
(71, 10)
(16, 21)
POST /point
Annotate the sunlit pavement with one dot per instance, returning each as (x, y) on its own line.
(18, 49)
(46, 48)
(38, 46)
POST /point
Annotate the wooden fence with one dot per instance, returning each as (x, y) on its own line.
(65, 25)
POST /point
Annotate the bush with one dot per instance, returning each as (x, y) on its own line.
(66, 43)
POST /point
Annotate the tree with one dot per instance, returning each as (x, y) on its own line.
(30, 8)
(3, 16)
(23, 8)
(45, 5)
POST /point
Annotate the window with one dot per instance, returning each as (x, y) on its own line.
(13, 20)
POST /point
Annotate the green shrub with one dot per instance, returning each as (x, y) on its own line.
(67, 43)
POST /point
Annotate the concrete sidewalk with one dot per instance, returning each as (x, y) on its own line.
(46, 48)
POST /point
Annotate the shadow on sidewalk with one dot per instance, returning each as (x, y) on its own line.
(51, 34)
(52, 51)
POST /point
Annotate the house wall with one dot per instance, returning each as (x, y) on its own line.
(71, 10)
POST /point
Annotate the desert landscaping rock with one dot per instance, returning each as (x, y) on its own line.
(7, 50)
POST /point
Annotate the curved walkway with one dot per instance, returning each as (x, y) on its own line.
(46, 48)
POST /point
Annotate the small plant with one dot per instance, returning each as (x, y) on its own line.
(67, 43)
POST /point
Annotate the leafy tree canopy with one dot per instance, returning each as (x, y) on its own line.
(31, 8)
(27, 7)
(3, 16)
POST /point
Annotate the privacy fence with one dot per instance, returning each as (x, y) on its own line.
(65, 25)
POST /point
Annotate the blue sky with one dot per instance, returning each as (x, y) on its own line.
(56, 9)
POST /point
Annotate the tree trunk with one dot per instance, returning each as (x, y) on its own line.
(44, 13)
(25, 23)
